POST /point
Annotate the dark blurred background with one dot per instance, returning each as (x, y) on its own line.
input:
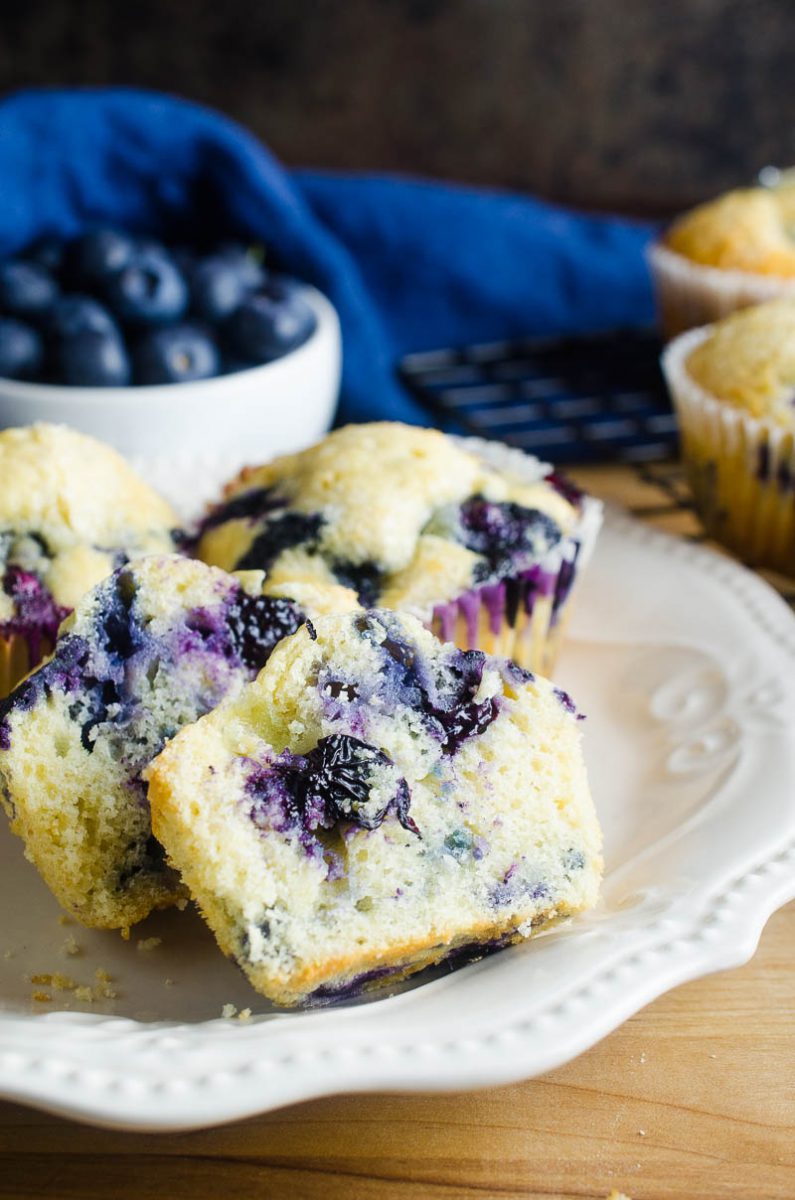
(637, 105)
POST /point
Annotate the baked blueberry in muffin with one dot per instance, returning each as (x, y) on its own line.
(480, 542)
(71, 511)
(151, 648)
(374, 802)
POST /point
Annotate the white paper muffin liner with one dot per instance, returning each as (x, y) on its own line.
(741, 469)
(690, 294)
(521, 616)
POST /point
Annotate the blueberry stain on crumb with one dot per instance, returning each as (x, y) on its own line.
(451, 713)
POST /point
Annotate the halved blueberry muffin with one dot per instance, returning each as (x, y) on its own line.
(374, 802)
(480, 542)
(151, 648)
(71, 510)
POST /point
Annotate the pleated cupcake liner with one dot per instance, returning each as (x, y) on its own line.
(741, 468)
(691, 294)
(520, 616)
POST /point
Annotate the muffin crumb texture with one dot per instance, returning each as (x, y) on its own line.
(375, 802)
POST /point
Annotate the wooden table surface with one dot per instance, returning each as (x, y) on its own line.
(692, 1099)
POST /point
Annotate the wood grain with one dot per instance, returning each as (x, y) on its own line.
(692, 1099)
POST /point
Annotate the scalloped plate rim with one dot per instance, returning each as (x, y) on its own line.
(690, 949)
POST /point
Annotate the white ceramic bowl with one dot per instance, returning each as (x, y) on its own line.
(264, 410)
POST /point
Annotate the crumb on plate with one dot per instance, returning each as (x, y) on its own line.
(150, 943)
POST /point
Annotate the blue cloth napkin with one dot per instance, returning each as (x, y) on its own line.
(409, 265)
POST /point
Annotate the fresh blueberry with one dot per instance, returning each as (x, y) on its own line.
(263, 328)
(95, 256)
(185, 258)
(21, 350)
(47, 252)
(281, 287)
(93, 358)
(178, 354)
(26, 289)
(150, 290)
(217, 287)
(246, 262)
(150, 245)
(73, 314)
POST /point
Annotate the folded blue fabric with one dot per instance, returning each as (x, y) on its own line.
(408, 265)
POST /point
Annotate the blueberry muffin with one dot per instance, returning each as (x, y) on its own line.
(374, 802)
(724, 255)
(148, 650)
(481, 543)
(733, 384)
(71, 510)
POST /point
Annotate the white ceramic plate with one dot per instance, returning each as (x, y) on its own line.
(686, 664)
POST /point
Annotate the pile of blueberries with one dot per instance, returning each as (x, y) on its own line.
(107, 309)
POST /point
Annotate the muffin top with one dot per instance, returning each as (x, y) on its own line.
(748, 361)
(405, 516)
(752, 229)
(71, 510)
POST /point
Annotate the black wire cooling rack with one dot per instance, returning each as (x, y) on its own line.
(592, 398)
